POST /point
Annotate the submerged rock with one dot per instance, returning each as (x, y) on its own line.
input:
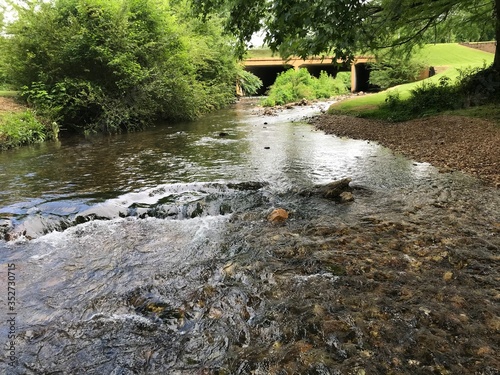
(5, 228)
(247, 185)
(346, 196)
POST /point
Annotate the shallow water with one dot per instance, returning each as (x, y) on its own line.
(150, 253)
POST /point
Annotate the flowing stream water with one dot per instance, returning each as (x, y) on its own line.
(150, 253)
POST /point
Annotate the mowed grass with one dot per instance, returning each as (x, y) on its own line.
(451, 57)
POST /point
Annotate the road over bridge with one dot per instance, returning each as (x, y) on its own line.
(267, 69)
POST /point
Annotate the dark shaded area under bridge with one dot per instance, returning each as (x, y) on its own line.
(267, 69)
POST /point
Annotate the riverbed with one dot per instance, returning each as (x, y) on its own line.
(151, 253)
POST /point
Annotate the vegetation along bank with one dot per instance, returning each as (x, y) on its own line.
(110, 66)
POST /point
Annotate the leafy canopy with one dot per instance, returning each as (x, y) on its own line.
(344, 28)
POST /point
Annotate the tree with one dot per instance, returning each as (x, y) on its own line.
(3, 73)
(344, 28)
(458, 28)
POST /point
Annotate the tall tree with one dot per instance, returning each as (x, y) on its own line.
(345, 27)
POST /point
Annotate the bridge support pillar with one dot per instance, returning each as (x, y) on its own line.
(353, 77)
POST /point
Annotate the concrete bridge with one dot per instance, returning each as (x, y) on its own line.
(268, 68)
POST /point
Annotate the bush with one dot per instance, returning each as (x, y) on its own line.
(4, 81)
(475, 86)
(385, 74)
(108, 65)
(480, 85)
(294, 85)
(345, 78)
(325, 86)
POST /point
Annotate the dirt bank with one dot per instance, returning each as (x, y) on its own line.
(460, 143)
(8, 104)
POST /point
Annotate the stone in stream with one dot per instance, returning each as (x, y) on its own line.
(337, 190)
(346, 196)
(279, 215)
(5, 229)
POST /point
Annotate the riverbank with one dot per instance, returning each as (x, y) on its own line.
(20, 126)
(448, 142)
(8, 104)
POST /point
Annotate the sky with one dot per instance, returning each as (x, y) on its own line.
(257, 40)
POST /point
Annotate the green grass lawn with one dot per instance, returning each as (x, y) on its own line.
(452, 56)
(488, 111)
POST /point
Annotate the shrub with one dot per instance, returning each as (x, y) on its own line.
(4, 80)
(385, 74)
(345, 78)
(108, 65)
(249, 82)
(325, 86)
(480, 85)
(294, 85)
(474, 86)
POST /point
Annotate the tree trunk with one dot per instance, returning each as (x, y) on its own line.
(496, 61)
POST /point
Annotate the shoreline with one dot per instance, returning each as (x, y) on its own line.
(448, 142)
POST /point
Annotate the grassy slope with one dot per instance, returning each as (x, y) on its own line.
(450, 56)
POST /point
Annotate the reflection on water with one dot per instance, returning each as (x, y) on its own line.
(160, 260)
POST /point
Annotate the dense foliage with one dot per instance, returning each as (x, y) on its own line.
(474, 86)
(389, 73)
(3, 52)
(294, 85)
(249, 83)
(462, 26)
(3, 64)
(107, 65)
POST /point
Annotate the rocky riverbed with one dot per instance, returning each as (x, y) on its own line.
(408, 291)
(450, 143)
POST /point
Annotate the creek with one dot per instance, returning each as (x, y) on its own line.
(150, 253)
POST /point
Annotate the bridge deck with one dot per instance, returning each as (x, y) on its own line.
(298, 62)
